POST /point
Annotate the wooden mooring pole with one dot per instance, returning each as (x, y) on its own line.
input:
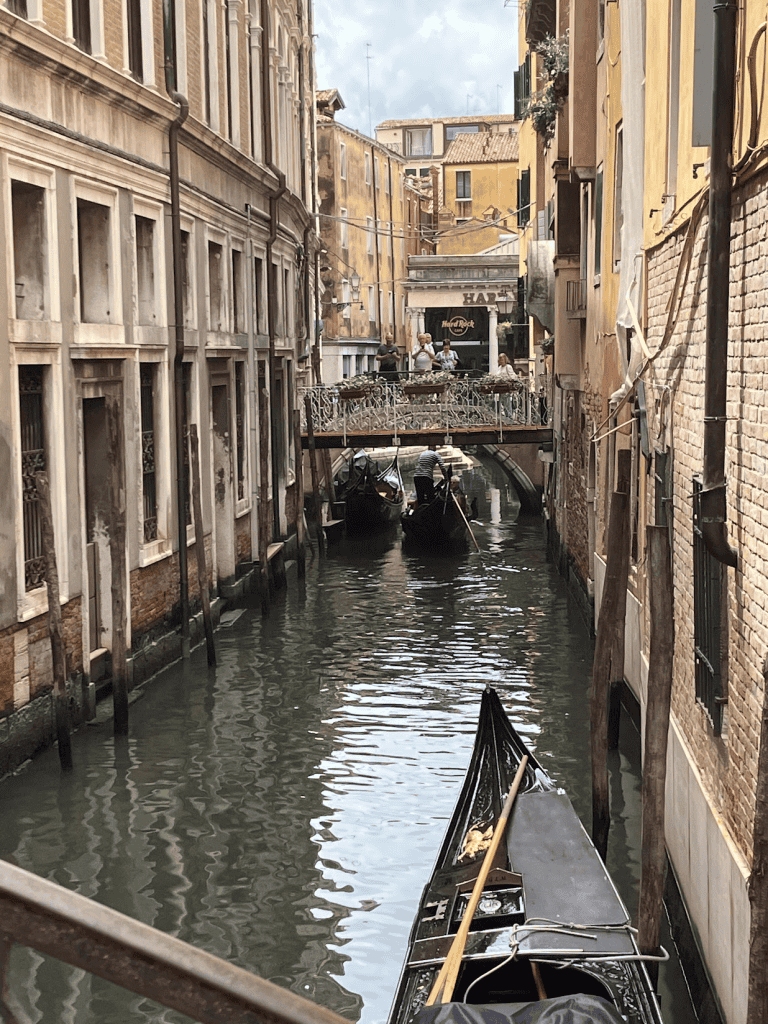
(116, 527)
(318, 505)
(264, 516)
(298, 457)
(58, 654)
(202, 567)
(607, 653)
(662, 647)
(757, 887)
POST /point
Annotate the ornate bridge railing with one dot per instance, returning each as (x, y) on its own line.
(384, 406)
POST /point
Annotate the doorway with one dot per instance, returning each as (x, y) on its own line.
(223, 497)
(98, 559)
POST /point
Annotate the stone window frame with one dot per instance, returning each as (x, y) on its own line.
(113, 332)
(162, 547)
(49, 328)
(32, 603)
(153, 212)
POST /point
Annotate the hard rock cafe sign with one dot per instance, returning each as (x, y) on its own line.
(458, 325)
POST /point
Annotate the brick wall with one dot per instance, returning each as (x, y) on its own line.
(25, 650)
(727, 764)
(243, 539)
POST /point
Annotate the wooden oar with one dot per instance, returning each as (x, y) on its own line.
(442, 990)
(466, 521)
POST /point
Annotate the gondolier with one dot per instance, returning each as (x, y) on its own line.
(423, 475)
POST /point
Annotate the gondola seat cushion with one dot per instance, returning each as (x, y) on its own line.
(573, 1009)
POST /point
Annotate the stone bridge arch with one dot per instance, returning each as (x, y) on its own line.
(522, 465)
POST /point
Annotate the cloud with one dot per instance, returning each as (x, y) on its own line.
(425, 59)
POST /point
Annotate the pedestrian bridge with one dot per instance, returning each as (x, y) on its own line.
(461, 412)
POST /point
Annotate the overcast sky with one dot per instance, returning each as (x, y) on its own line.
(428, 58)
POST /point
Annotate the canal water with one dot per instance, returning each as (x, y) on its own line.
(283, 811)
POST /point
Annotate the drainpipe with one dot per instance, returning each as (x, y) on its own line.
(713, 500)
(180, 395)
(272, 283)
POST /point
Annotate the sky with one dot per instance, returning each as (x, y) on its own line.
(428, 58)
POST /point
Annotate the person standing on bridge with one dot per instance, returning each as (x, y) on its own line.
(423, 474)
(447, 357)
(424, 355)
(387, 357)
(506, 370)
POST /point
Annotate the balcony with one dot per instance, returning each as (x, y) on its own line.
(540, 21)
(576, 299)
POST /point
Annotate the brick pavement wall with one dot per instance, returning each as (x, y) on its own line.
(727, 764)
(37, 660)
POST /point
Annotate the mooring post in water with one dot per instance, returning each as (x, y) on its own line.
(264, 516)
(603, 671)
(662, 647)
(202, 567)
(318, 506)
(298, 458)
(61, 706)
(623, 470)
(116, 527)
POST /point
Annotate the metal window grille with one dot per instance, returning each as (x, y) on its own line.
(240, 427)
(707, 614)
(148, 464)
(32, 461)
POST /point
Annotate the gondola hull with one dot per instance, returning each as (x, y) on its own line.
(438, 525)
(549, 924)
(372, 500)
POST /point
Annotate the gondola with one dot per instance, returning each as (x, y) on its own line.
(373, 497)
(440, 524)
(549, 939)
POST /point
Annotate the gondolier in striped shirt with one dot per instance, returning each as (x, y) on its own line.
(423, 474)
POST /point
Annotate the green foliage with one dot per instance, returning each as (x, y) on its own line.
(543, 106)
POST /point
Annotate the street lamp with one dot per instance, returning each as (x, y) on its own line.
(354, 283)
(505, 303)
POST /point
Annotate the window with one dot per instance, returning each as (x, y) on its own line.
(342, 160)
(81, 24)
(29, 250)
(673, 105)
(371, 303)
(376, 173)
(346, 298)
(94, 261)
(238, 300)
(371, 363)
(186, 279)
(18, 7)
(346, 366)
(259, 307)
(33, 460)
(463, 184)
(598, 223)
(523, 198)
(707, 614)
(148, 449)
(359, 364)
(367, 168)
(453, 130)
(387, 176)
(240, 428)
(216, 312)
(287, 324)
(703, 72)
(411, 170)
(145, 270)
(135, 54)
(189, 418)
(418, 142)
(523, 87)
(369, 235)
(423, 172)
(344, 229)
(618, 206)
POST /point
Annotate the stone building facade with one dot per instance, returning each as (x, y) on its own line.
(88, 311)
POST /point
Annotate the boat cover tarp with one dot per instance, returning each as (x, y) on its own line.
(574, 1009)
(564, 879)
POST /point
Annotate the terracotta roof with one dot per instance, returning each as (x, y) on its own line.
(467, 119)
(328, 97)
(482, 148)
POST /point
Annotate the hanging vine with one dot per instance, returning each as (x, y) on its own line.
(543, 106)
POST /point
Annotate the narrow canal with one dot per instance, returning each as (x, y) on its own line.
(284, 810)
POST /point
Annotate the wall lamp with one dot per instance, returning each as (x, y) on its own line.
(354, 283)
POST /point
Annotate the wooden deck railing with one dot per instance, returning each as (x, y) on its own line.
(77, 931)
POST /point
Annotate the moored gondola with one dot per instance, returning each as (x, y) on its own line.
(520, 922)
(373, 498)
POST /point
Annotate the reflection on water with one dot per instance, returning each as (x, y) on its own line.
(283, 811)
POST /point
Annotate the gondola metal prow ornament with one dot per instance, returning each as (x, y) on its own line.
(442, 990)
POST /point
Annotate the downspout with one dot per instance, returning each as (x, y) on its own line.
(380, 324)
(713, 498)
(180, 395)
(272, 284)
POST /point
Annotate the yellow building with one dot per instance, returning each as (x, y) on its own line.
(370, 220)
(479, 188)
(656, 278)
